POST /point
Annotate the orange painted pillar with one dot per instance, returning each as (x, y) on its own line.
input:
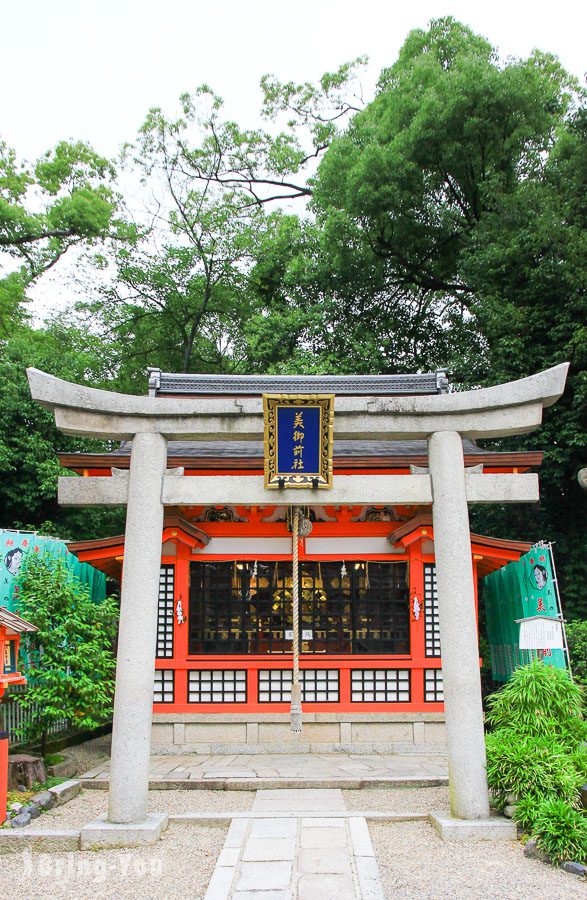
(180, 635)
(417, 631)
(3, 774)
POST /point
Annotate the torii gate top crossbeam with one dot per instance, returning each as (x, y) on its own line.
(512, 408)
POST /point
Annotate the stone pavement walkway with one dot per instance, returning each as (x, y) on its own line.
(302, 850)
(267, 770)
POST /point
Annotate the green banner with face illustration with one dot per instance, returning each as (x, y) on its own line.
(520, 590)
(14, 548)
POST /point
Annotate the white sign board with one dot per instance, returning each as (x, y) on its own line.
(307, 634)
(540, 633)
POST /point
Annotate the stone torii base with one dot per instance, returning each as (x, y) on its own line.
(443, 420)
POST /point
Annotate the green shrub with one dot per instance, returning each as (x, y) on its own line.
(572, 732)
(537, 753)
(561, 831)
(579, 760)
(577, 640)
(69, 660)
(533, 767)
(526, 812)
(539, 700)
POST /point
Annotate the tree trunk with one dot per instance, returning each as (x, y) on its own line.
(24, 769)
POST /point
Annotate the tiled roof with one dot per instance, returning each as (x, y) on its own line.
(169, 383)
(14, 622)
(254, 449)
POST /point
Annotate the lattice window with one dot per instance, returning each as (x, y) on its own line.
(243, 607)
(164, 686)
(318, 685)
(433, 687)
(217, 686)
(165, 613)
(380, 685)
(275, 685)
(431, 624)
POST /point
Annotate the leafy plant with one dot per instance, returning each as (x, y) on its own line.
(579, 759)
(577, 640)
(525, 813)
(69, 660)
(561, 831)
(53, 759)
(534, 767)
(539, 700)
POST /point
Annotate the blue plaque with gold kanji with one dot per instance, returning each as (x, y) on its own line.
(298, 440)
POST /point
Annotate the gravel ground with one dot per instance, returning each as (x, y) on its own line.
(179, 865)
(89, 754)
(90, 804)
(398, 799)
(416, 865)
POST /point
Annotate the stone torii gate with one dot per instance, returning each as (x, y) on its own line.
(513, 408)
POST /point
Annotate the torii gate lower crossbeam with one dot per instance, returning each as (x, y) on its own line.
(443, 419)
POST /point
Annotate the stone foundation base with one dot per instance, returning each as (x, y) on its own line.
(493, 829)
(324, 732)
(101, 834)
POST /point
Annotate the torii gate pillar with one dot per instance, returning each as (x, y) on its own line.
(514, 408)
(137, 634)
(463, 709)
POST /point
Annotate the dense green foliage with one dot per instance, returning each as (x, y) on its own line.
(69, 660)
(462, 189)
(448, 136)
(443, 226)
(561, 831)
(28, 437)
(537, 700)
(537, 753)
(530, 766)
(577, 640)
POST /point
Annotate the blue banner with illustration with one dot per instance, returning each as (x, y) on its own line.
(518, 591)
(14, 547)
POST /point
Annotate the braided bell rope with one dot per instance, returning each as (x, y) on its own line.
(296, 704)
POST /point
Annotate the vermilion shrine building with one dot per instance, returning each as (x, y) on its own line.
(371, 663)
(371, 600)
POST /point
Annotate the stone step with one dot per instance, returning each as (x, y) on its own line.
(296, 747)
(222, 818)
(255, 784)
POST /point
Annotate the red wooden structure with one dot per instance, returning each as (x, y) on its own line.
(370, 638)
(11, 627)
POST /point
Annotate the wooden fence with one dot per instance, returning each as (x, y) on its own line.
(16, 718)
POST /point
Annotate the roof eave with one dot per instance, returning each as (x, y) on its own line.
(521, 459)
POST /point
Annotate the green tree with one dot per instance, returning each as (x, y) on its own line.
(179, 295)
(179, 304)
(463, 187)
(28, 436)
(526, 264)
(449, 133)
(260, 166)
(319, 303)
(63, 200)
(378, 281)
(69, 660)
(577, 639)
